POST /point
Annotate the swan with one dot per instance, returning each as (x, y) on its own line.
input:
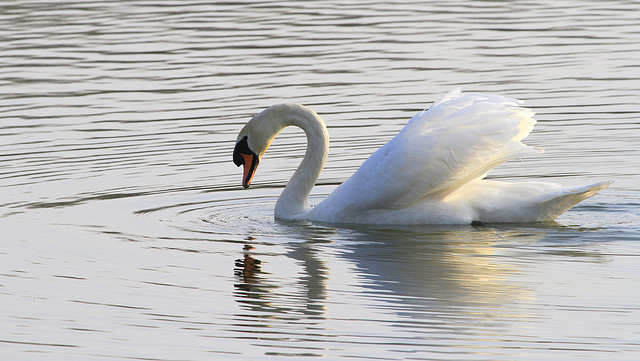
(431, 172)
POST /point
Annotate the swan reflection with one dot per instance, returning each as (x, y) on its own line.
(416, 272)
(405, 289)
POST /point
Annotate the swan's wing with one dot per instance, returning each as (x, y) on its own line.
(459, 139)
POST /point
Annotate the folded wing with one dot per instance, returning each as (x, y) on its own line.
(458, 139)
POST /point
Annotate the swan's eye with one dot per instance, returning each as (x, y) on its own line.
(242, 147)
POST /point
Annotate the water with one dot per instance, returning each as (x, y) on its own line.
(126, 234)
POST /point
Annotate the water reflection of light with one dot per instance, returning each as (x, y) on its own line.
(440, 272)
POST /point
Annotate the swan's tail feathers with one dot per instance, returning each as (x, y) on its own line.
(555, 206)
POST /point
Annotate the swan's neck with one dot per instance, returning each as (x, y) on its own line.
(294, 200)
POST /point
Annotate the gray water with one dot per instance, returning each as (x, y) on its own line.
(124, 224)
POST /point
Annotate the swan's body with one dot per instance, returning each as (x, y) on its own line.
(430, 173)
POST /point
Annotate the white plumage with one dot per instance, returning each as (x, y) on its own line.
(430, 173)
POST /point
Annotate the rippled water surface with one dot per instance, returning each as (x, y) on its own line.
(126, 234)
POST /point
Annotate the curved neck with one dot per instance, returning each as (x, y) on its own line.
(294, 200)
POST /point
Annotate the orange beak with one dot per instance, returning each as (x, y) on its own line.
(243, 155)
(250, 165)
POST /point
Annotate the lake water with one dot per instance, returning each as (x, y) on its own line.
(126, 233)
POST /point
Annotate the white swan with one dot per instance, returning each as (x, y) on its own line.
(430, 173)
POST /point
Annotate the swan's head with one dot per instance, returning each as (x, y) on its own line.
(243, 155)
(254, 140)
(256, 136)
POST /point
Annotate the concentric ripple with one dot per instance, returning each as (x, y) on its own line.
(233, 217)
